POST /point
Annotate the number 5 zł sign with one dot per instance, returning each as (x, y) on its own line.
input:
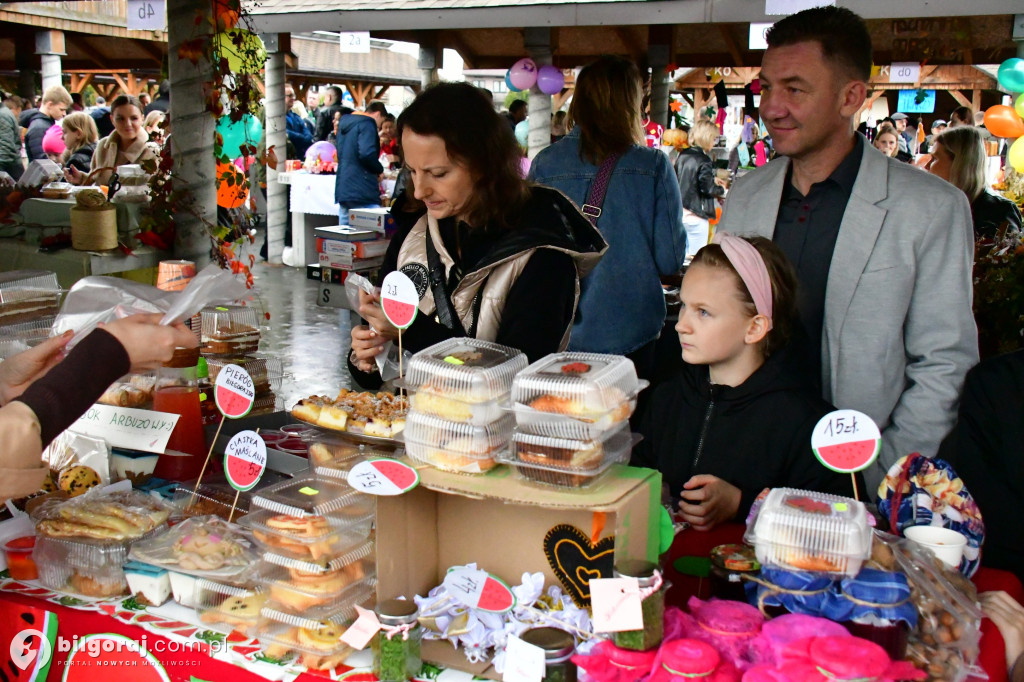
(399, 299)
(846, 441)
(245, 459)
(234, 392)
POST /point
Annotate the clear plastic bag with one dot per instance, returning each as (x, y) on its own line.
(94, 300)
(204, 546)
(72, 450)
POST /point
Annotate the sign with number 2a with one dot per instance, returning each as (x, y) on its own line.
(383, 477)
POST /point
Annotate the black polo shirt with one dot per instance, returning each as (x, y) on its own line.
(806, 230)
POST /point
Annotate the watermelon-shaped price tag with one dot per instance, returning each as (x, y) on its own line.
(245, 459)
(479, 590)
(846, 441)
(234, 392)
(383, 477)
(399, 298)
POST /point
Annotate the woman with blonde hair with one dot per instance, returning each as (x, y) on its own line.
(154, 125)
(698, 185)
(80, 136)
(887, 140)
(958, 157)
(629, 192)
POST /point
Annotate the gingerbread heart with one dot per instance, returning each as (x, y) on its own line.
(576, 561)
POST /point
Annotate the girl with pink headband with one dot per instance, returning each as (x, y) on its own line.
(738, 417)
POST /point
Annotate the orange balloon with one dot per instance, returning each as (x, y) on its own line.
(1003, 121)
(232, 186)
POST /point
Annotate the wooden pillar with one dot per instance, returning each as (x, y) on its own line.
(430, 59)
(277, 138)
(658, 56)
(976, 101)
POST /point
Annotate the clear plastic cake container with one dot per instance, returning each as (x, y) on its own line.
(567, 463)
(227, 607)
(466, 370)
(811, 531)
(333, 460)
(457, 446)
(210, 498)
(317, 590)
(589, 427)
(282, 633)
(266, 373)
(312, 496)
(587, 387)
(333, 538)
(26, 295)
(69, 563)
(429, 401)
(229, 330)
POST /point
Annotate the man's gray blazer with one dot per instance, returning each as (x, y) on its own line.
(899, 334)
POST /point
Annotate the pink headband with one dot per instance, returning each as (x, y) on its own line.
(745, 257)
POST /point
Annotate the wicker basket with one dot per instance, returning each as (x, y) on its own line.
(93, 229)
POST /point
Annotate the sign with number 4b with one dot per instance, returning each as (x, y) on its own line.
(147, 15)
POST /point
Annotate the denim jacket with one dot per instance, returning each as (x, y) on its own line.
(622, 307)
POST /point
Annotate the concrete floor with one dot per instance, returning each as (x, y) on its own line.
(312, 342)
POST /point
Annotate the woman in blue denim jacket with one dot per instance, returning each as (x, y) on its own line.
(622, 309)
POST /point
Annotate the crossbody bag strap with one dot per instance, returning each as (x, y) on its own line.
(446, 314)
(595, 198)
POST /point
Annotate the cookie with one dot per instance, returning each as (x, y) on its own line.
(78, 479)
(236, 611)
(326, 637)
(300, 526)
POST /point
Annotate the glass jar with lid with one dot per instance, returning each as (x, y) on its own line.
(396, 648)
(177, 392)
(558, 646)
(652, 590)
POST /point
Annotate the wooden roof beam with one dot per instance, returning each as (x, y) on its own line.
(455, 40)
(152, 50)
(730, 42)
(82, 43)
(960, 99)
(636, 50)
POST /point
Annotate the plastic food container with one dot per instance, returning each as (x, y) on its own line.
(456, 446)
(457, 373)
(93, 568)
(210, 498)
(27, 295)
(228, 607)
(310, 538)
(811, 531)
(567, 463)
(20, 564)
(331, 457)
(317, 590)
(132, 175)
(204, 546)
(315, 642)
(311, 496)
(266, 373)
(575, 395)
(229, 330)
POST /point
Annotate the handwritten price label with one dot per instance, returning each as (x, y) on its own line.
(245, 460)
(399, 299)
(616, 604)
(479, 590)
(524, 662)
(383, 477)
(234, 392)
(846, 441)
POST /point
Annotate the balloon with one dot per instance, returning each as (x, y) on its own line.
(326, 152)
(242, 163)
(523, 74)
(247, 131)
(550, 80)
(232, 186)
(1016, 155)
(1019, 106)
(244, 50)
(1011, 74)
(1003, 121)
(508, 81)
(523, 133)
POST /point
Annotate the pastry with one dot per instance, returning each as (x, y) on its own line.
(120, 395)
(25, 305)
(239, 612)
(206, 551)
(308, 409)
(451, 407)
(232, 339)
(592, 408)
(150, 585)
(373, 414)
(305, 642)
(579, 465)
(101, 519)
(97, 587)
(307, 589)
(464, 454)
(78, 479)
(326, 453)
(302, 529)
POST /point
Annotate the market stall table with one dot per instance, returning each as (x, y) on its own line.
(71, 265)
(312, 205)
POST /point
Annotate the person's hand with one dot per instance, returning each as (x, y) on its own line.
(19, 371)
(708, 501)
(74, 176)
(370, 310)
(149, 344)
(721, 183)
(1008, 616)
(366, 346)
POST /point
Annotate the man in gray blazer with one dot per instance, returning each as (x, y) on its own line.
(882, 250)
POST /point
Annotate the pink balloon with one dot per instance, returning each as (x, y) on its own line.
(550, 80)
(523, 73)
(243, 162)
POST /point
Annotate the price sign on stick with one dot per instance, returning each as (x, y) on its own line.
(399, 299)
(846, 441)
(245, 459)
(616, 604)
(383, 477)
(479, 590)
(234, 392)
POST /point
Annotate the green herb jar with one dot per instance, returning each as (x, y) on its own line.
(558, 646)
(397, 659)
(653, 607)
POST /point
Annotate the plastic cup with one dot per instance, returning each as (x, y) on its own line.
(19, 558)
(948, 545)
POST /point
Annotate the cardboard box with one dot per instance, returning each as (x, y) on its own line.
(313, 272)
(379, 219)
(343, 262)
(500, 523)
(360, 249)
(346, 233)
